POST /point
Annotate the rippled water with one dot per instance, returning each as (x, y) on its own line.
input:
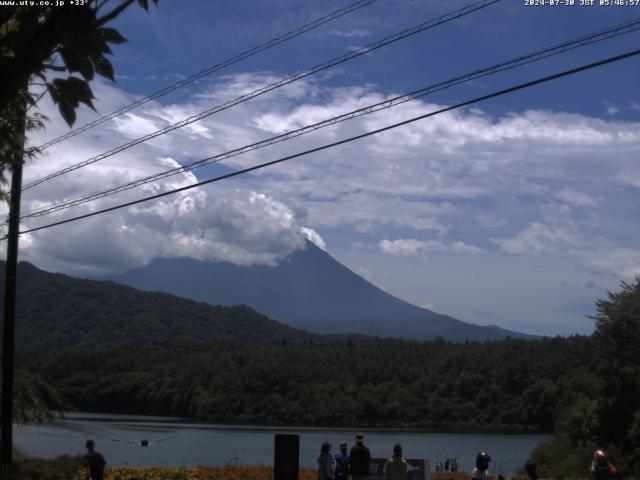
(173, 442)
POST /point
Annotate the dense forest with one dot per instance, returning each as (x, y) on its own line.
(57, 311)
(605, 414)
(513, 385)
(158, 354)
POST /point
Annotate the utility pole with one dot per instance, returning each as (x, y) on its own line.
(8, 339)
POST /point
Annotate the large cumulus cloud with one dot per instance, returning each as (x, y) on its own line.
(522, 183)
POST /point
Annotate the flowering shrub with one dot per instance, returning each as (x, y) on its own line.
(228, 472)
(450, 476)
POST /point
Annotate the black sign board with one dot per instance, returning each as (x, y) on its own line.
(286, 457)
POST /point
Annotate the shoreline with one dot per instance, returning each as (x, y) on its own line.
(198, 424)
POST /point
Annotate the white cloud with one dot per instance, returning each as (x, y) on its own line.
(540, 238)
(440, 175)
(237, 226)
(135, 126)
(611, 108)
(364, 272)
(621, 262)
(313, 236)
(351, 33)
(411, 247)
(575, 198)
(488, 220)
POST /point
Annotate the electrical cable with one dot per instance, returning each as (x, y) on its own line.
(498, 93)
(585, 40)
(272, 86)
(209, 70)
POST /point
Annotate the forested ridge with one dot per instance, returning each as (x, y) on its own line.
(512, 385)
(57, 311)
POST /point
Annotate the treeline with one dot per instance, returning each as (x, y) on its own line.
(511, 385)
(605, 413)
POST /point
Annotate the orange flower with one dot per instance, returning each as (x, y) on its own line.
(200, 472)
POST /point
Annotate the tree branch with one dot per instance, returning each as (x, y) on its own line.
(99, 4)
(57, 68)
(114, 13)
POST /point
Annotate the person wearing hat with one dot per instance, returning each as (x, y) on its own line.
(342, 462)
(360, 459)
(95, 461)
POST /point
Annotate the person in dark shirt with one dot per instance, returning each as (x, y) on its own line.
(95, 461)
(359, 459)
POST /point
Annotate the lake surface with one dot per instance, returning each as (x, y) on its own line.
(175, 442)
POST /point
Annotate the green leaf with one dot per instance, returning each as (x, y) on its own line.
(53, 91)
(74, 90)
(77, 61)
(104, 68)
(67, 111)
(111, 35)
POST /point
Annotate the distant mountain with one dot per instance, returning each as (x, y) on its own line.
(308, 290)
(57, 311)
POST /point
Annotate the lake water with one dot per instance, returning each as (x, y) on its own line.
(173, 442)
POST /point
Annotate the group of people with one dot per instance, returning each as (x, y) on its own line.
(357, 461)
(449, 465)
(354, 462)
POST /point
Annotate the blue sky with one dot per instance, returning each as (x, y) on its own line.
(520, 212)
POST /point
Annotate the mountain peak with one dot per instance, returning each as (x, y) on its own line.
(309, 289)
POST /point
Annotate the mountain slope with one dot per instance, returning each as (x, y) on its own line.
(57, 311)
(309, 290)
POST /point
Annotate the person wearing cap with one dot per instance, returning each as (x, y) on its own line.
(342, 462)
(396, 466)
(95, 461)
(359, 459)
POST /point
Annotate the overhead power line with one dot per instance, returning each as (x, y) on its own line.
(209, 70)
(389, 103)
(285, 81)
(498, 93)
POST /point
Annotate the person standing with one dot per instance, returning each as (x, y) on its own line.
(326, 464)
(482, 465)
(95, 461)
(342, 462)
(396, 466)
(360, 459)
(601, 467)
(531, 470)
